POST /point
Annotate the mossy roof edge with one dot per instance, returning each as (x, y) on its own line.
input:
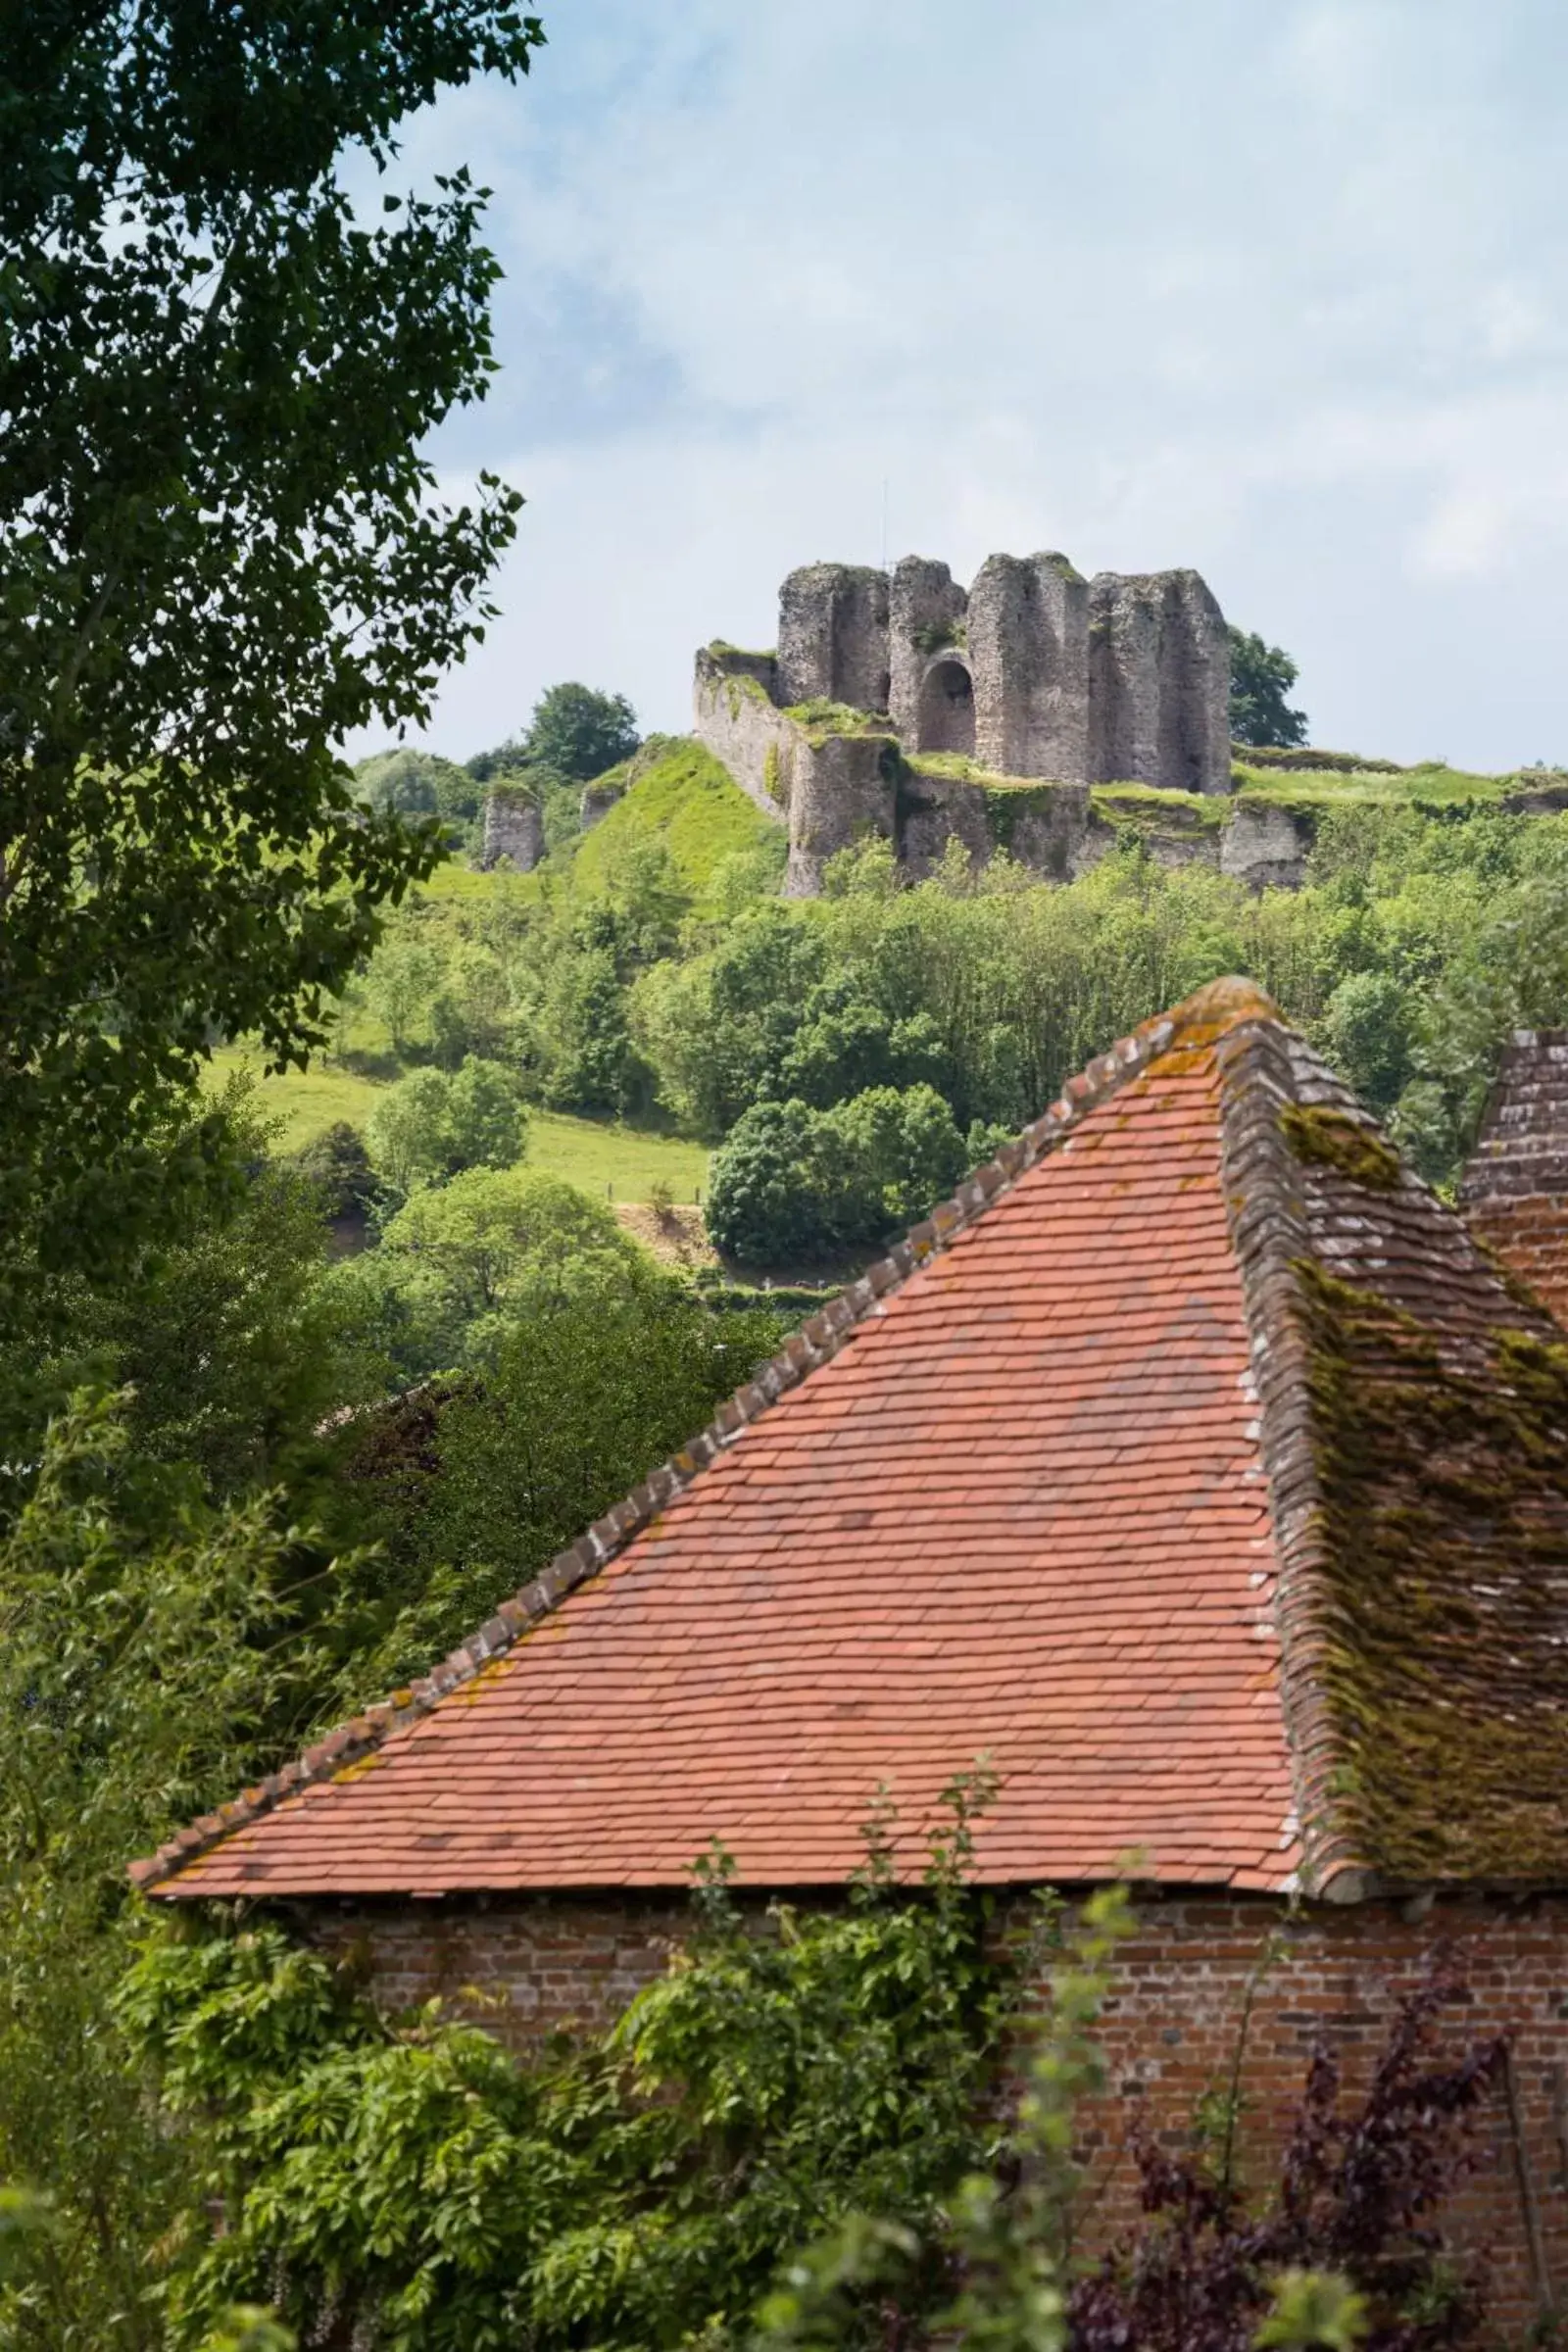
(1413, 1409)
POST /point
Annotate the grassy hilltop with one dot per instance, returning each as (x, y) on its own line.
(648, 983)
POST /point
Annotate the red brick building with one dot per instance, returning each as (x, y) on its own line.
(1515, 1190)
(1199, 1466)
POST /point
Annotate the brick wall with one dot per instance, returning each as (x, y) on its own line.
(1169, 2030)
(1514, 1188)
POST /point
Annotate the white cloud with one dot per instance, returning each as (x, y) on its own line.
(1276, 292)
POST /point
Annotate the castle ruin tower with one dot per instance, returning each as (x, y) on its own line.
(1195, 721)
(1029, 654)
(931, 691)
(833, 636)
(1158, 682)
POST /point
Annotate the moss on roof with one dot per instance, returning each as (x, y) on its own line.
(1334, 1140)
(1444, 1504)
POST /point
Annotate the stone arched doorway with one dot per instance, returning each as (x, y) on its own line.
(947, 709)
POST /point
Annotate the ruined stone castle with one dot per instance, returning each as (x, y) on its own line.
(905, 706)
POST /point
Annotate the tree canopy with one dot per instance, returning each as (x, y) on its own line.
(417, 784)
(1261, 676)
(574, 734)
(220, 546)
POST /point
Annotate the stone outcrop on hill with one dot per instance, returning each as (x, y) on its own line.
(514, 828)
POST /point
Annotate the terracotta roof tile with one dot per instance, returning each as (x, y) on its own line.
(1057, 1483)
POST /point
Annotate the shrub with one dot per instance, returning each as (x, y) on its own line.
(769, 1187)
(431, 1126)
(792, 1182)
(1356, 2194)
(1366, 1033)
(154, 1655)
(417, 784)
(461, 1262)
(414, 2188)
(594, 1065)
(470, 1010)
(337, 1166)
(899, 1151)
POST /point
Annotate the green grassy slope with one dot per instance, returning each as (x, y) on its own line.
(304, 1102)
(1433, 786)
(621, 1163)
(692, 805)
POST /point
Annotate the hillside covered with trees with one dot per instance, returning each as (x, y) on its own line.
(353, 1263)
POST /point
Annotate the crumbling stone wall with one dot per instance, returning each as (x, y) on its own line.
(514, 828)
(830, 790)
(1049, 828)
(738, 720)
(1267, 849)
(1195, 691)
(1034, 674)
(597, 802)
(1029, 645)
(846, 790)
(927, 618)
(1158, 682)
(833, 636)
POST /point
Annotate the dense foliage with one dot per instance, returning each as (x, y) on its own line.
(797, 2136)
(1261, 676)
(1336, 2247)
(422, 784)
(154, 1654)
(635, 2189)
(229, 1343)
(432, 1125)
(579, 732)
(794, 1183)
(616, 982)
(220, 549)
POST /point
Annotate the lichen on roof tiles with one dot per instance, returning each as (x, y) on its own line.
(1445, 1516)
(1111, 1470)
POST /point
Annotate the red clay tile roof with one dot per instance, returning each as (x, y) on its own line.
(1066, 1481)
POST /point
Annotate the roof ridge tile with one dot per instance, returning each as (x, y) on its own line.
(1270, 1237)
(1211, 1010)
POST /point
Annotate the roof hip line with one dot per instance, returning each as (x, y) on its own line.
(818, 1341)
(1271, 1237)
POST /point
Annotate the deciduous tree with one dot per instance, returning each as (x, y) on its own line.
(220, 546)
(1261, 676)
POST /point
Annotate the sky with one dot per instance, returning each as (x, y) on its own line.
(1274, 289)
